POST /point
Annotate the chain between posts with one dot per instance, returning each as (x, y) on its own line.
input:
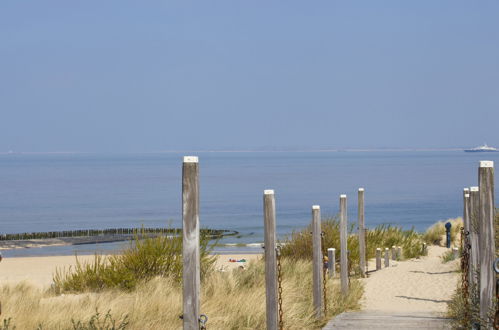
(202, 322)
(279, 287)
(324, 271)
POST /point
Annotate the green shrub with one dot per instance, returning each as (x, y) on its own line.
(299, 244)
(147, 257)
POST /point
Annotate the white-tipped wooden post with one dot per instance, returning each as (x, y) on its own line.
(343, 245)
(487, 238)
(455, 253)
(399, 253)
(387, 257)
(474, 237)
(394, 253)
(331, 255)
(270, 259)
(362, 233)
(378, 258)
(190, 242)
(466, 211)
(317, 260)
(467, 232)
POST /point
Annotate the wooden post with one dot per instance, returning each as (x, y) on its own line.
(387, 257)
(394, 253)
(362, 233)
(270, 260)
(190, 242)
(378, 258)
(343, 245)
(487, 238)
(399, 253)
(455, 253)
(466, 211)
(331, 254)
(474, 237)
(317, 260)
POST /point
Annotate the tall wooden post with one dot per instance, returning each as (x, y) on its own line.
(190, 240)
(474, 237)
(331, 254)
(466, 210)
(378, 258)
(487, 238)
(387, 257)
(317, 260)
(270, 260)
(343, 245)
(362, 233)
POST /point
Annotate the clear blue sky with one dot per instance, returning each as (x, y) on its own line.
(157, 75)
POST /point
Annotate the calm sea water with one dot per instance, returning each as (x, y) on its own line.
(73, 191)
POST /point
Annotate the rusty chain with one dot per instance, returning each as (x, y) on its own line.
(202, 322)
(279, 287)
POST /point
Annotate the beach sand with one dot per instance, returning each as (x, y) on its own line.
(416, 285)
(39, 270)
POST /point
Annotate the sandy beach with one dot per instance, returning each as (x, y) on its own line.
(39, 270)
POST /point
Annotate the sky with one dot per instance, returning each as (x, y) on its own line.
(141, 76)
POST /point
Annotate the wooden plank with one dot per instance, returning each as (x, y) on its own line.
(487, 238)
(378, 258)
(387, 257)
(362, 233)
(317, 261)
(331, 254)
(475, 252)
(190, 243)
(271, 293)
(343, 245)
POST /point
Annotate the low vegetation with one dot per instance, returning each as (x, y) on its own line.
(299, 244)
(231, 300)
(146, 258)
(436, 233)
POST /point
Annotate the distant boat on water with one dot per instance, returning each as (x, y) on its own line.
(484, 148)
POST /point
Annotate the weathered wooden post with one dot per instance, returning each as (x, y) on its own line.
(331, 255)
(487, 238)
(466, 211)
(394, 253)
(474, 237)
(343, 245)
(399, 253)
(317, 260)
(387, 257)
(190, 242)
(378, 258)
(270, 260)
(455, 253)
(362, 233)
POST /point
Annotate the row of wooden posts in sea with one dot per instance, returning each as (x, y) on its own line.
(478, 221)
(215, 233)
(478, 246)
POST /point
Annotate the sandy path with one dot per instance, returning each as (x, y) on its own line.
(416, 285)
(39, 270)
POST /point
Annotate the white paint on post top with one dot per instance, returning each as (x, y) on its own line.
(473, 188)
(331, 249)
(466, 195)
(378, 249)
(466, 189)
(191, 159)
(268, 192)
(316, 207)
(361, 189)
(486, 163)
(343, 196)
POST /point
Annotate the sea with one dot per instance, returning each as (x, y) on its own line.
(52, 192)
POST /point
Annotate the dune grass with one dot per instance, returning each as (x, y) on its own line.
(234, 300)
(299, 244)
(436, 233)
(145, 258)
